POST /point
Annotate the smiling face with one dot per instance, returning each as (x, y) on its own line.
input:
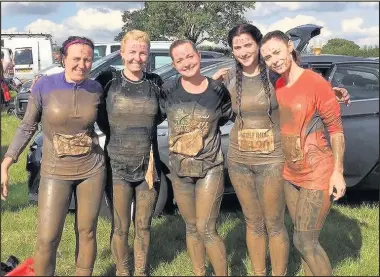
(186, 60)
(277, 54)
(245, 49)
(135, 54)
(78, 62)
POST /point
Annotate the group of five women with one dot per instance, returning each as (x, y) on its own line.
(278, 153)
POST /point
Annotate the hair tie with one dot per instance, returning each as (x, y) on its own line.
(76, 41)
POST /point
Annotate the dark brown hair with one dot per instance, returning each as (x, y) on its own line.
(283, 37)
(256, 35)
(74, 40)
(181, 42)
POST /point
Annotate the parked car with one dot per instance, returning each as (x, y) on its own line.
(360, 120)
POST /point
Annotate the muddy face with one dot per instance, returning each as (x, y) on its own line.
(78, 62)
(277, 55)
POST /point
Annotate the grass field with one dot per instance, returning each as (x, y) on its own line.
(350, 236)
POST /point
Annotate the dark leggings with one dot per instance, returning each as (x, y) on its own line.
(123, 193)
(199, 200)
(260, 190)
(308, 210)
(53, 202)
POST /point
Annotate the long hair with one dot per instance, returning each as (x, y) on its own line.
(256, 35)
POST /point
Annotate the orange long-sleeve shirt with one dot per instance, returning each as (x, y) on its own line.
(306, 107)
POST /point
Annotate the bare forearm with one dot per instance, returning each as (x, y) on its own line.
(7, 162)
(338, 147)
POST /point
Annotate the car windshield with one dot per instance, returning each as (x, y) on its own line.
(23, 56)
(103, 60)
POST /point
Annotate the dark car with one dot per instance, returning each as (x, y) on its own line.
(360, 120)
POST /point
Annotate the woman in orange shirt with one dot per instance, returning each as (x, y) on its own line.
(313, 170)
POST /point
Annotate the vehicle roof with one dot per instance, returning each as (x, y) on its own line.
(328, 58)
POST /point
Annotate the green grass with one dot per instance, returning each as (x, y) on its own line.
(350, 236)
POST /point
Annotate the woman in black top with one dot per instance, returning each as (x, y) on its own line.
(195, 107)
(130, 125)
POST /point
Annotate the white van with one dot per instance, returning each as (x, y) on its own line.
(31, 52)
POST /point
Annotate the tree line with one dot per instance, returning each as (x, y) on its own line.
(211, 21)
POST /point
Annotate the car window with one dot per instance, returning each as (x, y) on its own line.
(361, 80)
(113, 59)
(23, 56)
(160, 60)
(115, 48)
(117, 61)
(99, 52)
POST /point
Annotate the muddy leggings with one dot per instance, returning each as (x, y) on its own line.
(53, 202)
(199, 200)
(260, 190)
(308, 210)
(123, 192)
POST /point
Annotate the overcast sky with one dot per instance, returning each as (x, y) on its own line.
(102, 21)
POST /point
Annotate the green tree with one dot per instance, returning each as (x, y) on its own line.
(196, 21)
(340, 46)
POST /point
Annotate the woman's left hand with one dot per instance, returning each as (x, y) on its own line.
(337, 181)
(342, 95)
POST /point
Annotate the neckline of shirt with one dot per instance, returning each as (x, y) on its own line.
(131, 81)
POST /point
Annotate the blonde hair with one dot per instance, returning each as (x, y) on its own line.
(135, 35)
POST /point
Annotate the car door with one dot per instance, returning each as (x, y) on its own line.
(361, 118)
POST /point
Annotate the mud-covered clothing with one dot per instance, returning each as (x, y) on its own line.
(308, 209)
(145, 199)
(306, 107)
(255, 138)
(130, 123)
(255, 165)
(194, 121)
(199, 201)
(68, 112)
(54, 198)
(260, 190)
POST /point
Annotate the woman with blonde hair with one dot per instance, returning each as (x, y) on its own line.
(130, 122)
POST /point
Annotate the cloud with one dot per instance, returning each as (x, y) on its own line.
(351, 26)
(86, 22)
(275, 9)
(369, 4)
(9, 30)
(35, 8)
(123, 6)
(368, 41)
(288, 23)
(352, 30)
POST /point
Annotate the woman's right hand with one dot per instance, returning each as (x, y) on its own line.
(7, 162)
(4, 183)
(219, 75)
